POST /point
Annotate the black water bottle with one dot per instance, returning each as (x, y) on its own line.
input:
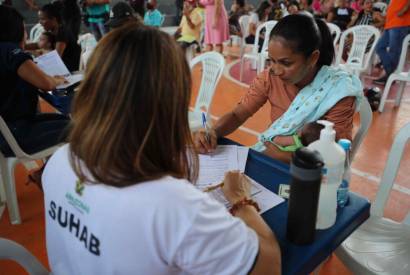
(306, 172)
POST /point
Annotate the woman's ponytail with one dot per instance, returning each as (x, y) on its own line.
(327, 49)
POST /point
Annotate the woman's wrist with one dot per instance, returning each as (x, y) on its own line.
(244, 203)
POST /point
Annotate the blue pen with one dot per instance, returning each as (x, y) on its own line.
(205, 125)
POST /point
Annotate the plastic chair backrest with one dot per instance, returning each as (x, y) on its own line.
(13, 251)
(244, 24)
(390, 172)
(87, 41)
(366, 117)
(403, 55)
(213, 64)
(35, 32)
(268, 25)
(11, 141)
(358, 58)
(381, 6)
(335, 31)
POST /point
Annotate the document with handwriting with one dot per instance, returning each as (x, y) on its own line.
(225, 158)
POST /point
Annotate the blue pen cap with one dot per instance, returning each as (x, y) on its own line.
(345, 143)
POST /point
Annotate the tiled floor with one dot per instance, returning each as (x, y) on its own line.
(368, 167)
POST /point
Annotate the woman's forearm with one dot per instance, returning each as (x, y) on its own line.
(227, 124)
(269, 258)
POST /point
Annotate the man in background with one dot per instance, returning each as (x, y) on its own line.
(397, 26)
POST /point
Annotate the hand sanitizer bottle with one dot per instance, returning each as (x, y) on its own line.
(334, 160)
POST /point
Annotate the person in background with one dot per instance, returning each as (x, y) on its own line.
(153, 16)
(71, 16)
(276, 10)
(259, 17)
(98, 12)
(121, 14)
(189, 31)
(293, 7)
(357, 5)
(238, 9)
(216, 24)
(46, 43)
(66, 43)
(396, 28)
(139, 206)
(300, 86)
(21, 81)
(138, 6)
(341, 15)
(368, 16)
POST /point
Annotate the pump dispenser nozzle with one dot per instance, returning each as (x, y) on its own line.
(327, 133)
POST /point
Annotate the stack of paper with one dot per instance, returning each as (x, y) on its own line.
(51, 64)
(225, 158)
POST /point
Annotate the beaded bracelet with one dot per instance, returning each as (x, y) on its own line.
(241, 203)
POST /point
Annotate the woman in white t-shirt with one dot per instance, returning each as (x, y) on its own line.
(119, 197)
(258, 17)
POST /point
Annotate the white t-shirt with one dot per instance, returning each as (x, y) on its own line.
(165, 226)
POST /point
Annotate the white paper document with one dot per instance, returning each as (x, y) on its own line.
(226, 158)
(52, 64)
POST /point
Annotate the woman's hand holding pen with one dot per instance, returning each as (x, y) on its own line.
(205, 141)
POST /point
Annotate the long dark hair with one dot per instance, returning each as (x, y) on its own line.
(120, 121)
(53, 10)
(12, 25)
(260, 11)
(304, 35)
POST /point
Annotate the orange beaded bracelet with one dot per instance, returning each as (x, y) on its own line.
(242, 203)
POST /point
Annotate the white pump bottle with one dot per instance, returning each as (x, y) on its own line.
(334, 159)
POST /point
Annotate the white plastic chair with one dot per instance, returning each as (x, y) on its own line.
(244, 24)
(358, 60)
(254, 55)
(335, 31)
(380, 245)
(7, 165)
(36, 32)
(213, 65)
(10, 250)
(87, 42)
(381, 6)
(398, 75)
(366, 117)
(263, 55)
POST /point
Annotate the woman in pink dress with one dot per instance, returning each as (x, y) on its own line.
(216, 24)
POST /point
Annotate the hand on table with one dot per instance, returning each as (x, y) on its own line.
(58, 79)
(236, 186)
(205, 144)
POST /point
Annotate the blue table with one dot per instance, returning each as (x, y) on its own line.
(304, 259)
